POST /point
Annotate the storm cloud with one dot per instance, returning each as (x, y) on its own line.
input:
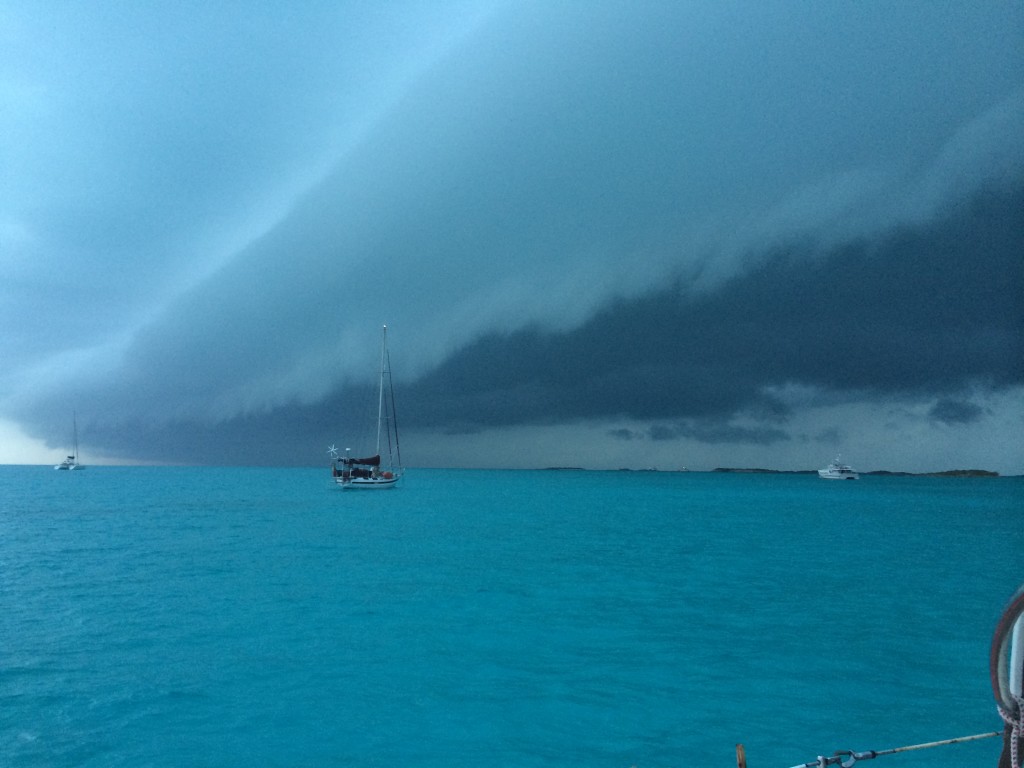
(918, 312)
(690, 224)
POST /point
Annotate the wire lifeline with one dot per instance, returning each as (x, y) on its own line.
(853, 757)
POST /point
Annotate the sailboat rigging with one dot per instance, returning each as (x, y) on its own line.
(71, 462)
(374, 472)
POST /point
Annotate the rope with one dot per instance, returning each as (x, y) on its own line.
(852, 757)
(1009, 703)
(1016, 725)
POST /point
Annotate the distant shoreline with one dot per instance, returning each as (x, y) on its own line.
(877, 473)
(761, 471)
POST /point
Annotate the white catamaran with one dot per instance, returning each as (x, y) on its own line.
(372, 472)
(71, 462)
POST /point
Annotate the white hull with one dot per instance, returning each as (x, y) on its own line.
(65, 465)
(367, 484)
(825, 474)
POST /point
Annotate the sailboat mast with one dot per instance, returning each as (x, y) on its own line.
(380, 396)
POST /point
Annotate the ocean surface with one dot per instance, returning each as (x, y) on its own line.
(263, 617)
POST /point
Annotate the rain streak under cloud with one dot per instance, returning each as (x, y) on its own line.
(615, 234)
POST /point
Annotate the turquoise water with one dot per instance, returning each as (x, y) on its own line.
(222, 617)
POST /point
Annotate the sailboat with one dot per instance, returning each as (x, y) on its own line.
(374, 472)
(71, 462)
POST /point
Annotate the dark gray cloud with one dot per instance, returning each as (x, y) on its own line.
(955, 412)
(714, 432)
(926, 311)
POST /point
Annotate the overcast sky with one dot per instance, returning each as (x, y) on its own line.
(602, 234)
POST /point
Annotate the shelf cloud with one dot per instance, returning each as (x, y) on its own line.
(651, 233)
